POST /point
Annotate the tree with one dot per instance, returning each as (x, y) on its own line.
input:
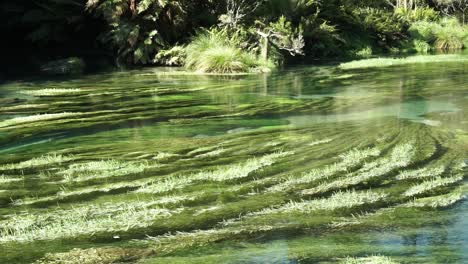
(406, 4)
(453, 7)
(237, 11)
(282, 36)
(138, 29)
(39, 31)
(46, 21)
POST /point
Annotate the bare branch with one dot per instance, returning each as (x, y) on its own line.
(236, 11)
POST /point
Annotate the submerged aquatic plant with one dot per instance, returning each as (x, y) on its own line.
(102, 169)
(421, 173)
(35, 118)
(432, 184)
(66, 193)
(147, 166)
(42, 161)
(164, 155)
(23, 107)
(226, 173)
(52, 92)
(440, 201)
(5, 180)
(339, 200)
(369, 260)
(213, 153)
(387, 62)
(401, 156)
(89, 256)
(320, 142)
(349, 160)
(85, 220)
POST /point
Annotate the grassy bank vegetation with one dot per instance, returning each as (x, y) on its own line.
(387, 62)
(229, 36)
(215, 51)
(240, 46)
(444, 34)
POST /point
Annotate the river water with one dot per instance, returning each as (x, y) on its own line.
(309, 164)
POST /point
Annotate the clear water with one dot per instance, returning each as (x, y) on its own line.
(155, 167)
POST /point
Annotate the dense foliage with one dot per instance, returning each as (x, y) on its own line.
(137, 29)
(160, 31)
(36, 31)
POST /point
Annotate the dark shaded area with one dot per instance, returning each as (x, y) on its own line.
(36, 32)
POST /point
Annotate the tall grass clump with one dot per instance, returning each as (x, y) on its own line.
(445, 34)
(451, 35)
(216, 52)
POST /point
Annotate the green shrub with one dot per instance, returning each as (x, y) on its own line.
(388, 28)
(174, 56)
(364, 53)
(419, 14)
(421, 46)
(423, 30)
(216, 52)
(137, 30)
(447, 34)
(450, 35)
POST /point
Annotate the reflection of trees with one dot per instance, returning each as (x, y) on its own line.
(410, 240)
(432, 243)
(440, 237)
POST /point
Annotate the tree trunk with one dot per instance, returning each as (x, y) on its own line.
(133, 8)
(265, 48)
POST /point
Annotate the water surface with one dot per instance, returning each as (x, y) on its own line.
(309, 164)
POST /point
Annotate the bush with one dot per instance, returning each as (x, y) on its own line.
(421, 46)
(364, 53)
(174, 56)
(137, 30)
(419, 14)
(447, 34)
(450, 35)
(389, 28)
(423, 30)
(214, 51)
